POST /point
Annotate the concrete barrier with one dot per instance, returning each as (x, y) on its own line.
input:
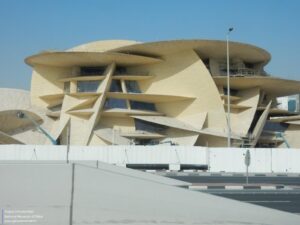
(263, 160)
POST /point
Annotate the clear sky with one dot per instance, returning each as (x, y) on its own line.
(30, 26)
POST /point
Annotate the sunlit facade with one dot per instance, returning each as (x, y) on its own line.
(159, 93)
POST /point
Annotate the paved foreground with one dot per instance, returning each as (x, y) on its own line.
(56, 194)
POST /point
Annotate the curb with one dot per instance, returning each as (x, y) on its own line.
(240, 187)
(222, 174)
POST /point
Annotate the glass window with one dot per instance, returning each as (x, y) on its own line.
(132, 86)
(88, 86)
(148, 126)
(292, 105)
(277, 127)
(142, 105)
(88, 71)
(112, 103)
(115, 86)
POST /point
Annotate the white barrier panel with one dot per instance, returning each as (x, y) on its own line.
(217, 159)
(286, 160)
(233, 160)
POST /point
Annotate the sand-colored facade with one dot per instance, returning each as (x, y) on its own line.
(169, 92)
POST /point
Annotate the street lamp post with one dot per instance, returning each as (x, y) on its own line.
(228, 89)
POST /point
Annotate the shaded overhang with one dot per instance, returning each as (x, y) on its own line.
(271, 85)
(69, 59)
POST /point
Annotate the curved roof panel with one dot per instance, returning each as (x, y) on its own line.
(271, 85)
(102, 46)
(65, 59)
(205, 48)
(14, 98)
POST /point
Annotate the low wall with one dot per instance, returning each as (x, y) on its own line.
(217, 159)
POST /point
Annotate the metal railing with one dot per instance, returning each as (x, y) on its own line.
(242, 72)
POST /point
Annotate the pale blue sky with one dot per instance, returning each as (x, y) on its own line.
(30, 26)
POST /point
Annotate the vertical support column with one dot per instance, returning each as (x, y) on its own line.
(124, 89)
(103, 89)
(73, 86)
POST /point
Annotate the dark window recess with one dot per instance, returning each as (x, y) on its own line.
(112, 103)
(231, 71)
(56, 108)
(206, 63)
(255, 120)
(88, 71)
(115, 86)
(142, 105)
(148, 126)
(88, 86)
(67, 87)
(249, 65)
(132, 86)
(233, 92)
(146, 142)
(120, 70)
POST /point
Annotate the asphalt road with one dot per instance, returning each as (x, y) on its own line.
(288, 201)
(285, 200)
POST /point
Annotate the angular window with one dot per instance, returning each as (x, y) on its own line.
(142, 105)
(89, 71)
(112, 103)
(88, 86)
(115, 86)
(148, 126)
(275, 127)
(132, 86)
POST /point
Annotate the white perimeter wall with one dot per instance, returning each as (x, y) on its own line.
(217, 159)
